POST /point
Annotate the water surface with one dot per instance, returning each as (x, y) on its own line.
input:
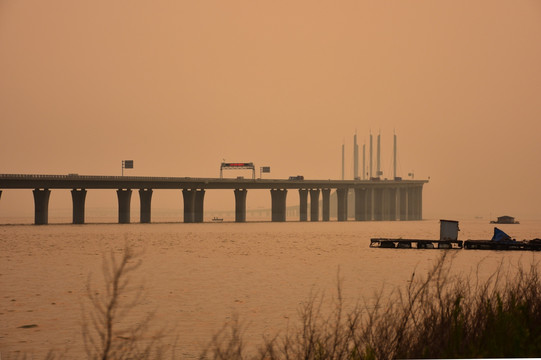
(196, 276)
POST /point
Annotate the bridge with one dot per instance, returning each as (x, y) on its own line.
(374, 199)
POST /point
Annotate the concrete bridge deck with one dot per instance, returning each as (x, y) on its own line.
(374, 199)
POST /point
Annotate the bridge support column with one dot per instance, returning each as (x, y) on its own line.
(78, 197)
(342, 197)
(385, 204)
(411, 203)
(145, 197)
(403, 203)
(314, 204)
(41, 206)
(420, 199)
(326, 202)
(240, 205)
(392, 204)
(378, 202)
(124, 200)
(418, 202)
(278, 197)
(303, 204)
(189, 205)
(360, 204)
(369, 204)
(199, 206)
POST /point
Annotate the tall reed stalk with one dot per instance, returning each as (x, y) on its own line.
(435, 316)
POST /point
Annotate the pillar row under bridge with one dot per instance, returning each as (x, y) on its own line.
(380, 201)
(415, 203)
(388, 204)
(314, 204)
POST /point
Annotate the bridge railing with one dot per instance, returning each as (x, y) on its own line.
(93, 177)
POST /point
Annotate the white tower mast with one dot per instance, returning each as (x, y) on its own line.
(370, 155)
(343, 160)
(394, 157)
(378, 171)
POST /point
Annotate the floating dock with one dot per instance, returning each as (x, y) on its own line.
(502, 245)
(415, 244)
(448, 239)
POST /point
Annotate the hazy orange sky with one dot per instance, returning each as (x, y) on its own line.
(177, 86)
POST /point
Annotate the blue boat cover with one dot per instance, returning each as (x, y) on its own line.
(499, 235)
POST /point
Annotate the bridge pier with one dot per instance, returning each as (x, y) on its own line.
(326, 202)
(414, 208)
(420, 202)
(78, 197)
(41, 206)
(403, 203)
(410, 203)
(360, 204)
(189, 205)
(278, 199)
(314, 204)
(385, 208)
(145, 197)
(124, 200)
(417, 202)
(198, 206)
(342, 197)
(303, 205)
(392, 204)
(240, 205)
(369, 204)
(378, 202)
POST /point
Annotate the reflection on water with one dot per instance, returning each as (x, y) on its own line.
(197, 275)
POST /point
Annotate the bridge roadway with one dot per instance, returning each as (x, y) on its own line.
(374, 199)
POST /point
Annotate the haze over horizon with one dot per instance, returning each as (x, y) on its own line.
(178, 86)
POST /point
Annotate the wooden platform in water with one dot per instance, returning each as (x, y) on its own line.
(414, 244)
(501, 245)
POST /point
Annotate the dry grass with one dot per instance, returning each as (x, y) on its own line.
(110, 330)
(438, 316)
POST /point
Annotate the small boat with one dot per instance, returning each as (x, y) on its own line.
(217, 219)
(505, 220)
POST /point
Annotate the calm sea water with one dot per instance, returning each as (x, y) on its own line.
(196, 277)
